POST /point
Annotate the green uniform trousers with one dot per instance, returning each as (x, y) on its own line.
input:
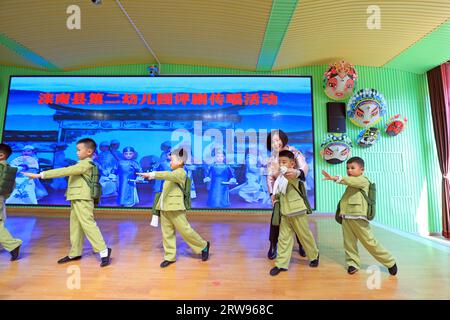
(172, 221)
(288, 227)
(6, 240)
(358, 229)
(82, 224)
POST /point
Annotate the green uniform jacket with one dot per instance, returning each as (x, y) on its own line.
(172, 195)
(6, 196)
(291, 201)
(353, 202)
(77, 188)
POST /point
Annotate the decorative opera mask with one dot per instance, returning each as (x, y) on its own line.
(395, 125)
(336, 148)
(366, 107)
(339, 80)
(368, 137)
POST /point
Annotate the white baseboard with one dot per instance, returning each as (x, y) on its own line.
(433, 239)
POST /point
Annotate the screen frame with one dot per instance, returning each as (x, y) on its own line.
(115, 208)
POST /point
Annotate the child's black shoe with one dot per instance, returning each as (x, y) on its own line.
(68, 259)
(351, 270)
(314, 263)
(393, 270)
(106, 260)
(275, 271)
(166, 263)
(205, 252)
(15, 254)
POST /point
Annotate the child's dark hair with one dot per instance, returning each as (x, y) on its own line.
(88, 143)
(356, 160)
(287, 154)
(283, 137)
(4, 148)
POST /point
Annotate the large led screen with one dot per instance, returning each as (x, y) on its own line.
(222, 121)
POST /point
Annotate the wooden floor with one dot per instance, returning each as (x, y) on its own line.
(238, 267)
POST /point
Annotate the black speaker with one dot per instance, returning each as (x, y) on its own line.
(336, 117)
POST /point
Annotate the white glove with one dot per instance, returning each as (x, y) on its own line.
(281, 183)
(154, 222)
(207, 179)
(232, 181)
(151, 176)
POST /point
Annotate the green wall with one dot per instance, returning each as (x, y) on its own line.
(404, 167)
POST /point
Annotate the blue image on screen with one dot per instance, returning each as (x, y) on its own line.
(136, 122)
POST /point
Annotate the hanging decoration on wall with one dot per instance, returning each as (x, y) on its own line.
(336, 148)
(395, 125)
(366, 107)
(339, 80)
(368, 137)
